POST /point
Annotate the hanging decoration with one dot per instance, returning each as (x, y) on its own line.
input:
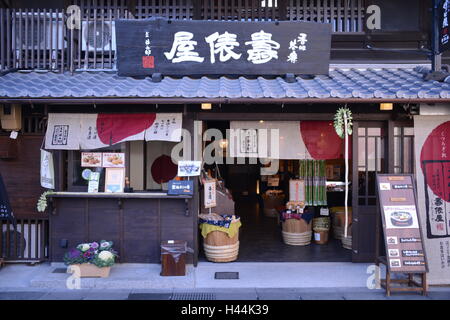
(339, 122)
(343, 123)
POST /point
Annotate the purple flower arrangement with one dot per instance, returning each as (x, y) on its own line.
(100, 254)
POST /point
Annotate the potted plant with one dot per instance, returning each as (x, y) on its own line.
(91, 259)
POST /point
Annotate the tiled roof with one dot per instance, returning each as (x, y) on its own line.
(348, 83)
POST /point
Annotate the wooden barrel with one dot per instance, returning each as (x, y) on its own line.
(296, 232)
(219, 247)
(221, 253)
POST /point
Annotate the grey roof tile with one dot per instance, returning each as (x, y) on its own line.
(341, 83)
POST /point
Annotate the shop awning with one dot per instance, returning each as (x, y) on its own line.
(342, 84)
(285, 140)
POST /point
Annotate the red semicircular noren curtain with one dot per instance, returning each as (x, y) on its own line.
(114, 128)
(321, 140)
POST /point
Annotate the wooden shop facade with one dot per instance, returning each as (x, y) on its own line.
(132, 74)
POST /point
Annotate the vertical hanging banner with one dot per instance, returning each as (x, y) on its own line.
(47, 170)
(432, 149)
(443, 29)
(198, 47)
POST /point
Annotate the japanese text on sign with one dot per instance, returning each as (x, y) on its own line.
(215, 47)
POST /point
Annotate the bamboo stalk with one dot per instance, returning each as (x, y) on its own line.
(346, 175)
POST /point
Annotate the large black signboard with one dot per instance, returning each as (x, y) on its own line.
(443, 28)
(403, 238)
(5, 206)
(169, 47)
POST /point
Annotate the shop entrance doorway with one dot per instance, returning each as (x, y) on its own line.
(261, 237)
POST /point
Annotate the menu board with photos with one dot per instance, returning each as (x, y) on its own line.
(402, 233)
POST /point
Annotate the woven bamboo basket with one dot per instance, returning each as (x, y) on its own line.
(296, 232)
(219, 247)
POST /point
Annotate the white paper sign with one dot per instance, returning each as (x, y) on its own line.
(189, 168)
(114, 180)
(94, 181)
(210, 194)
(47, 170)
(297, 190)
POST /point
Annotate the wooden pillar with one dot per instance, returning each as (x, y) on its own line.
(197, 14)
(282, 9)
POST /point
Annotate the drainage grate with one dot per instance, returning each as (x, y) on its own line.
(194, 296)
(60, 270)
(149, 296)
(226, 275)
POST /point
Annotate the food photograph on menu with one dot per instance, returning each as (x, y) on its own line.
(400, 217)
(91, 159)
(113, 160)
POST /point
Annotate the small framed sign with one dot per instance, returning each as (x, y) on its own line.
(114, 180)
(189, 168)
(297, 190)
(184, 187)
(114, 160)
(91, 159)
(94, 181)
